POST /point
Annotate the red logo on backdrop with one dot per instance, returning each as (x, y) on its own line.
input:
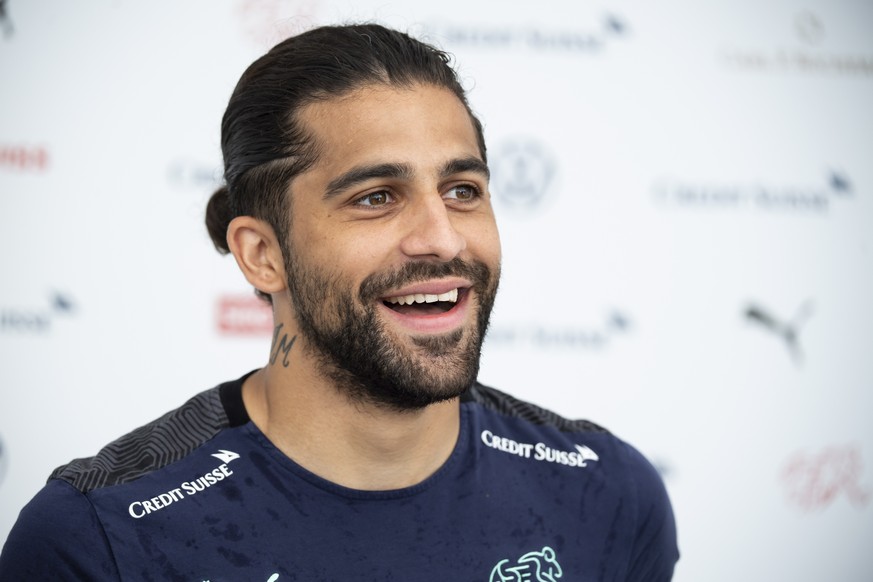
(24, 158)
(814, 480)
(267, 22)
(244, 315)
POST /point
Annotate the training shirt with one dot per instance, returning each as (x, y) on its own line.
(202, 495)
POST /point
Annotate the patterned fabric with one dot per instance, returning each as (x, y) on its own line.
(509, 405)
(150, 447)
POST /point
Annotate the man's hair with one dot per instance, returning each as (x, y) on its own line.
(262, 138)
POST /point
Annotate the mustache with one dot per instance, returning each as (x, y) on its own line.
(378, 284)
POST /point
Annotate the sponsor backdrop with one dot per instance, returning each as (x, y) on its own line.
(685, 196)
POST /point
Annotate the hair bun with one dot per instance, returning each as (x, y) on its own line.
(218, 217)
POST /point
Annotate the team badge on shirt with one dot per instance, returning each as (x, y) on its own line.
(539, 566)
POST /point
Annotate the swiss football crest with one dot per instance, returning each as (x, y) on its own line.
(539, 566)
(522, 174)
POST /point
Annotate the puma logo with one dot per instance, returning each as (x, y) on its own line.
(5, 22)
(788, 330)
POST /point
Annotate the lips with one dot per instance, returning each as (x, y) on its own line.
(441, 310)
(416, 298)
(426, 297)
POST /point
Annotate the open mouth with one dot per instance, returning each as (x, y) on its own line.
(424, 303)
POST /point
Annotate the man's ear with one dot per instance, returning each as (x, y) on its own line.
(257, 252)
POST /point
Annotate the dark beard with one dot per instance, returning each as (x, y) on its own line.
(362, 359)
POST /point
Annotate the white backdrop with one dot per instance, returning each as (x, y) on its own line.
(685, 195)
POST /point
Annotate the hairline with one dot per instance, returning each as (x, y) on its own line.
(314, 149)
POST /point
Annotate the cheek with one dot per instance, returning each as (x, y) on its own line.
(365, 249)
(320, 238)
(350, 253)
(483, 241)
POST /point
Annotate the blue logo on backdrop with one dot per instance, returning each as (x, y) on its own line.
(35, 320)
(809, 28)
(592, 40)
(522, 173)
(810, 55)
(547, 338)
(786, 198)
(188, 173)
(664, 467)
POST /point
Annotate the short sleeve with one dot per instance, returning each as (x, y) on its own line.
(57, 537)
(655, 551)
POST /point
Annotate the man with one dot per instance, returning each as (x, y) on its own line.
(357, 203)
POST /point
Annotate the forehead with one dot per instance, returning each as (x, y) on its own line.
(420, 125)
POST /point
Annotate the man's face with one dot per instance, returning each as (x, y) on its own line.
(393, 257)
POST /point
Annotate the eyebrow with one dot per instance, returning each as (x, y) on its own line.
(364, 173)
(400, 171)
(470, 164)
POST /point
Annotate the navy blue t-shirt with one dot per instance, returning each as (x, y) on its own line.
(201, 495)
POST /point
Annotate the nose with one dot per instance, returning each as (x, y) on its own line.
(430, 231)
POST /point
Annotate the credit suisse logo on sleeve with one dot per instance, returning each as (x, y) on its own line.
(140, 508)
(540, 451)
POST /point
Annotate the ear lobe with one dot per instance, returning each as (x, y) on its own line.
(257, 252)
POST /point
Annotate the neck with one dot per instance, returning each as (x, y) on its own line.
(354, 444)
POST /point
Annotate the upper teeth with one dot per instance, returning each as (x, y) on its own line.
(424, 298)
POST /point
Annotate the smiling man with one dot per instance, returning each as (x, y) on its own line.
(357, 203)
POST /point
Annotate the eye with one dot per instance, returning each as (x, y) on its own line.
(463, 192)
(378, 198)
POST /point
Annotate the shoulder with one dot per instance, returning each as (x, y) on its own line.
(510, 406)
(655, 550)
(155, 445)
(57, 537)
(60, 535)
(519, 431)
(511, 425)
